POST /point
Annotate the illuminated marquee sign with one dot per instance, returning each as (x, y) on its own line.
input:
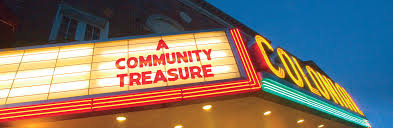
(287, 67)
(124, 72)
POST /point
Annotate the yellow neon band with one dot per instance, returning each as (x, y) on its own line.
(351, 101)
(319, 86)
(283, 55)
(312, 89)
(331, 91)
(279, 72)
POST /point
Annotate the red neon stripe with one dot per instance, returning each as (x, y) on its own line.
(44, 111)
(248, 60)
(219, 85)
(126, 105)
(41, 110)
(218, 93)
(134, 96)
(134, 100)
(236, 40)
(54, 113)
(214, 89)
(40, 107)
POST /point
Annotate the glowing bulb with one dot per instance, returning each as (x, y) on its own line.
(121, 118)
(267, 113)
(320, 126)
(178, 126)
(207, 107)
(300, 121)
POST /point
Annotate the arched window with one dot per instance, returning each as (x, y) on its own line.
(163, 24)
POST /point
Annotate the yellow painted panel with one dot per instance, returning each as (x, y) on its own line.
(107, 73)
(6, 54)
(218, 46)
(10, 59)
(41, 50)
(37, 65)
(5, 84)
(209, 34)
(153, 85)
(109, 57)
(219, 61)
(76, 47)
(145, 40)
(2, 101)
(75, 53)
(178, 37)
(7, 76)
(223, 76)
(39, 57)
(182, 49)
(34, 73)
(110, 50)
(27, 98)
(71, 77)
(45, 80)
(106, 65)
(114, 81)
(211, 40)
(4, 93)
(72, 69)
(187, 81)
(73, 93)
(224, 69)
(33, 90)
(107, 89)
(9, 67)
(143, 47)
(69, 86)
(180, 43)
(217, 54)
(111, 43)
(74, 61)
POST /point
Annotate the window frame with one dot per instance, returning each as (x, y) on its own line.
(82, 19)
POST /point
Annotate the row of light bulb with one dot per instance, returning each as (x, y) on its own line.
(207, 108)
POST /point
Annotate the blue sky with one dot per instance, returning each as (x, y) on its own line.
(351, 40)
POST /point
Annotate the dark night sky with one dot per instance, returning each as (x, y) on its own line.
(351, 40)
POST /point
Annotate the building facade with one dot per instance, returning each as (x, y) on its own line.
(155, 63)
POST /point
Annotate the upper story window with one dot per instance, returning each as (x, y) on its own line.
(92, 32)
(67, 29)
(72, 24)
(163, 24)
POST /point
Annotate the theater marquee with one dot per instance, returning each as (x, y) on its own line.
(125, 72)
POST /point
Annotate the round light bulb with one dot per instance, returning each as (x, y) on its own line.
(300, 121)
(121, 118)
(178, 126)
(267, 113)
(207, 107)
